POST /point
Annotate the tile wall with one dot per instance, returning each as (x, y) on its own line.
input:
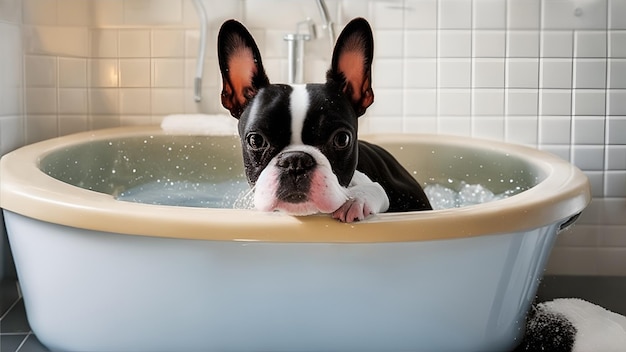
(546, 73)
(11, 99)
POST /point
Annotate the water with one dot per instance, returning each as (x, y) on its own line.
(463, 194)
(238, 195)
(226, 194)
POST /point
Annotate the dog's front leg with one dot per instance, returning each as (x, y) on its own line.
(365, 197)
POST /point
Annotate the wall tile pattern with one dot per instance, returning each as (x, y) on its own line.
(546, 73)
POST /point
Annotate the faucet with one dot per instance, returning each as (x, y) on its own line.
(200, 9)
(295, 42)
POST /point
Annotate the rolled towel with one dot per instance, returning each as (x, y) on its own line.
(573, 325)
(200, 124)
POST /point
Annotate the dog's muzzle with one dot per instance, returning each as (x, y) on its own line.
(296, 170)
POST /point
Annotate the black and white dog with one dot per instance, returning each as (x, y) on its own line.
(299, 142)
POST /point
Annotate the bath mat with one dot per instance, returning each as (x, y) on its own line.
(573, 325)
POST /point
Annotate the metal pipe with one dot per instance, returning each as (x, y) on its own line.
(201, 49)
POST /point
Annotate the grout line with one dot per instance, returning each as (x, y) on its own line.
(23, 342)
(10, 308)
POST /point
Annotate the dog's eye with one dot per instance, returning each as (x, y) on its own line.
(341, 140)
(256, 141)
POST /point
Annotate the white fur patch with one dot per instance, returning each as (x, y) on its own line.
(299, 105)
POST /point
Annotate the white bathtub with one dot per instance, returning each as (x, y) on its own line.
(99, 274)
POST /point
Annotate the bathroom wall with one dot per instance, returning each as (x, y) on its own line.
(11, 112)
(546, 73)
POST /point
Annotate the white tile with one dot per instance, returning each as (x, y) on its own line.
(588, 157)
(421, 14)
(488, 102)
(69, 124)
(387, 73)
(387, 15)
(150, 12)
(617, 14)
(135, 73)
(103, 101)
(388, 124)
(488, 73)
(617, 74)
(488, 128)
(108, 13)
(422, 124)
(590, 43)
(616, 102)
(168, 43)
(458, 126)
(420, 73)
(103, 73)
(566, 14)
(522, 73)
(617, 44)
(589, 102)
(554, 130)
(134, 43)
(588, 130)
(555, 102)
(41, 101)
(104, 43)
(454, 73)
(523, 44)
(454, 102)
(40, 127)
(488, 43)
(280, 14)
(556, 73)
(590, 73)
(134, 120)
(388, 102)
(523, 14)
(72, 72)
(167, 101)
(73, 101)
(40, 71)
(74, 12)
(615, 184)
(10, 11)
(40, 12)
(167, 73)
(420, 102)
(11, 133)
(522, 130)
(616, 157)
(455, 43)
(612, 261)
(616, 129)
(521, 102)
(135, 101)
(455, 14)
(489, 14)
(61, 41)
(104, 121)
(420, 43)
(561, 151)
(389, 43)
(561, 263)
(596, 180)
(557, 44)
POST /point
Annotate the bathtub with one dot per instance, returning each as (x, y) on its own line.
(101, 274)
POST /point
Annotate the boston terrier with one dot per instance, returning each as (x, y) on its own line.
(300, 149)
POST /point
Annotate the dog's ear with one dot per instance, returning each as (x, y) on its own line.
(240, 63)
(351, 66)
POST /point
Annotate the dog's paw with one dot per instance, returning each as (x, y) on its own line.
(354, 209)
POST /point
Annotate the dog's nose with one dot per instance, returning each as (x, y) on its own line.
(296, 162)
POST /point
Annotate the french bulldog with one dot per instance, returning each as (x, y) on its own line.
(300, 148)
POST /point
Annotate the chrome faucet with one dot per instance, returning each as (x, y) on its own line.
(295, 42)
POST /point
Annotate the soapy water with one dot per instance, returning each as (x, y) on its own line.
(236, 194)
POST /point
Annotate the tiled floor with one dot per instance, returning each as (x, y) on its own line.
(609, 292)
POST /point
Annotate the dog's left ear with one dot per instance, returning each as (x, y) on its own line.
(351, 66)
(240, 63)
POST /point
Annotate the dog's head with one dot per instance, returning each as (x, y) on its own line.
(299, 142)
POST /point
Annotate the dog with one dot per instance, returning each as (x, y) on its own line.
(299, 142)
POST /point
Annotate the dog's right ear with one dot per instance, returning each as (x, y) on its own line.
(240, 63)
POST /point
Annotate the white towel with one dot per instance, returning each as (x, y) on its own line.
(200, 124)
